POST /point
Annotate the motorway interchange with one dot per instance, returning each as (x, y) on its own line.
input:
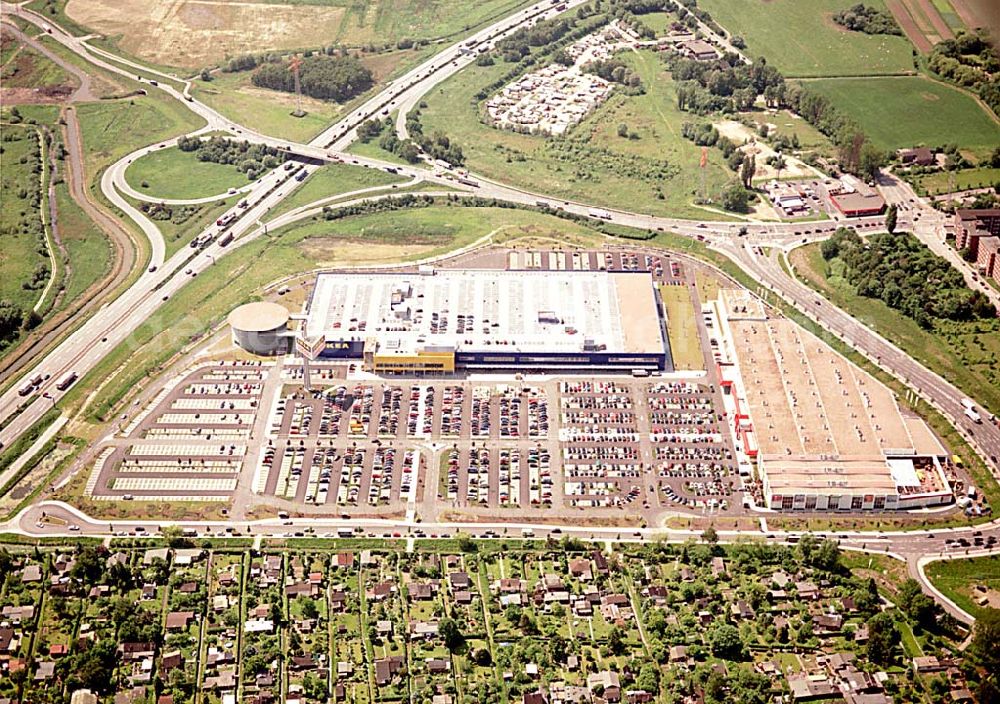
(755, 247)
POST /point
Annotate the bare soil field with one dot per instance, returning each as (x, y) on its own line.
(921, 22)
(195, 33)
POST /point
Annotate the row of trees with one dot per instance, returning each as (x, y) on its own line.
(862, 18)
(905, 275)
(337, 78)
(519, 44)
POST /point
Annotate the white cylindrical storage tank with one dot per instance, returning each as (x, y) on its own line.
(260, 328)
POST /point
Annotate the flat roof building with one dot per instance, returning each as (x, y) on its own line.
(440, 320)
(855, 198)
(827, 434)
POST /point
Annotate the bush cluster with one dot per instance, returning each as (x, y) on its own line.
(901, 272)
(862, 18)
(337, 78)
(251, 159)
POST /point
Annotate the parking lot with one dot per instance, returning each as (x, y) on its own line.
(191, 440)
(511, 446)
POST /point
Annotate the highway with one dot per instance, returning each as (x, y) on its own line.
(115, 322)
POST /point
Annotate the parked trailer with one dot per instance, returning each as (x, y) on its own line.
(67, 381)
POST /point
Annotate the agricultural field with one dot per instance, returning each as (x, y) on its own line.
(174, 174)
(191, 34)
(962, 352)
(908, 111)
(657, 172)
(800, 38)
(972, 583)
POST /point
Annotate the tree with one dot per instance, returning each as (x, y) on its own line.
(725, 641)
(917, 606)
(10, 319)
(710, 535)
(649, 678)
(985, 636)
(450, 634)
(622, 130)
(309, 608)
(206, 75)
(736, 198)
(883, 637)
(616, 640)
(827, 556)
(890, 218)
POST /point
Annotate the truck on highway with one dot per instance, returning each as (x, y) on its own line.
(468, 181)
(26, 389)
(598, 213)
(66, 381)
(226, 220)
(345, 533)
(972, 415)
(226, 239)
(301, 175)
(968, 404)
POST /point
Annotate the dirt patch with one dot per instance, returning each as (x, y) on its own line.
(194, 33)
(930, 97)
(330, 251)
(34, 96)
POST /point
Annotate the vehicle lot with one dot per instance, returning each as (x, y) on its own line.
(607, 442)
(190, 442)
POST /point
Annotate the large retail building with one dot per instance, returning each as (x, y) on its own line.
(440, 320)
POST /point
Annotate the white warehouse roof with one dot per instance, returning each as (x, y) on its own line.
(491, 310)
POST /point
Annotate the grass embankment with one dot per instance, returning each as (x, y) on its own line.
(186, 221)
(87, 246)
(947, 182)
(800, 38)
(956, 579)
(113, 129)
(331, 180)
(906, 111)
(23, 67)
(656, 173)
(263, 110)
(173, 174)
(22, 246)
(963, 353)
(682, 328)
